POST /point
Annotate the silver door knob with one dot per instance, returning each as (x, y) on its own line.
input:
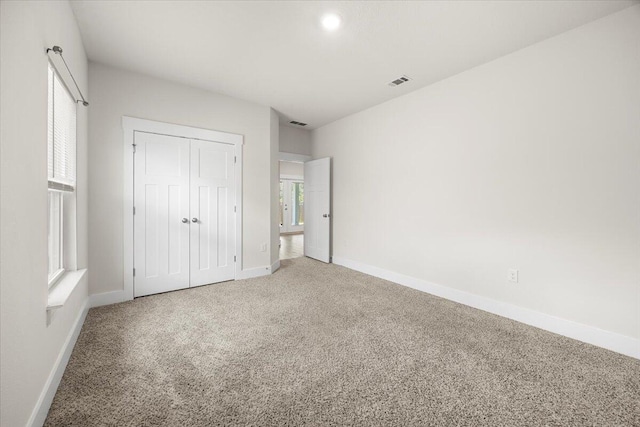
(185, 220)
(194, 219)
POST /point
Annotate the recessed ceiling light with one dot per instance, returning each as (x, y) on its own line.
(331, 22)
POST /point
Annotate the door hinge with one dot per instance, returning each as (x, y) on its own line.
(134, 148)
(134, 210)
(234, 208)
(235, 159)
(134, 272)
(234, 258)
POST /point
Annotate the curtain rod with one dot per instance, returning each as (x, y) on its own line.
(58, 51)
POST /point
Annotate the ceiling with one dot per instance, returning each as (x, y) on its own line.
(277, 54)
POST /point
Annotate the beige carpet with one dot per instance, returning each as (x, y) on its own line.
(321, 345)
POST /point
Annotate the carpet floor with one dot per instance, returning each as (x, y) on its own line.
(317, 344)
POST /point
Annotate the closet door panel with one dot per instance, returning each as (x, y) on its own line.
(212, 242)
(161, 200)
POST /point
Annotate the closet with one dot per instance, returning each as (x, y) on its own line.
(184, 203)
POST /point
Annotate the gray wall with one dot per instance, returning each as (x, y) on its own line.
(117, 93)
(531, 161)
(275, 188)
(295, 140)
(291, 169)
(28, 347)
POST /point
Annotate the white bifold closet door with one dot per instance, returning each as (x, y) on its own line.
(184, 222)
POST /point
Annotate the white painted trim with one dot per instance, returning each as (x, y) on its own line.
(612, 341)
(250, 273)
(292, 177)
(239, 211)
(107, 298)
(39, 414)
(61, 291)
(275, 266)
(130, 125)
(293, 157)
(162, 128)
(128, 133)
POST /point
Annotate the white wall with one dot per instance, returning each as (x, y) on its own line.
(28, 347)
(295, 140)
(291, 169)
(275, 187)
(531, 162)
(116, 93)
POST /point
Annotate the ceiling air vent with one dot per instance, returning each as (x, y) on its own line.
(399, 81)
(293, 122)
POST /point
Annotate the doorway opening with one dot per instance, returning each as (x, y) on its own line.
(291, 209)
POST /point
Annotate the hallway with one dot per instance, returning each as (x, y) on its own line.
(291, 246)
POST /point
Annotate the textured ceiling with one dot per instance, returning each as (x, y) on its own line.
(277, 54)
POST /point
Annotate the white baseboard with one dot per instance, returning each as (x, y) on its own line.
(250, 273)
(106, 298)
(115, 297)
(39, 414)
(612, 341)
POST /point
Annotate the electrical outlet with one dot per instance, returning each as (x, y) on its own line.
(512, 275)
(263, 247)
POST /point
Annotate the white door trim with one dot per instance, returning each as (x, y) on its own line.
(131, 125)
(292, 178)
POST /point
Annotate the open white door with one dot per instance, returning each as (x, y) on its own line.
(317, 208)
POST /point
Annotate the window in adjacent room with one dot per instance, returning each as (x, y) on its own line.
(297, 203)
(61, 175)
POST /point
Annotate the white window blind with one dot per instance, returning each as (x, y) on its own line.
(61, 169)
(62, 135)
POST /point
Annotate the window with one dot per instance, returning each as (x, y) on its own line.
(297, 203)
(291, 206)
(61, 171)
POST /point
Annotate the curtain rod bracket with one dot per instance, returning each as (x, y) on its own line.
(55, 49)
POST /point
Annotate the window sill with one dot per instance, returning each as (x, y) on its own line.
(57, 276)
(61, 291)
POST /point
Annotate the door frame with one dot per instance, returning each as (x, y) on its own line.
(130, 125)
